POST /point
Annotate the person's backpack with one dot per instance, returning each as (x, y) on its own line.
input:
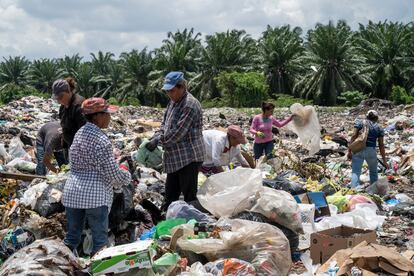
(361, 141)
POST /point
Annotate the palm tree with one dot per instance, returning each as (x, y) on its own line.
(113, 80)
(70, 64)
(179, 52)
(386, 46)
(13, 70)
(227, 51)
(86, 80)
(281, 50)
(137, 66)
(42, 74)
(334, 65)
(101, 61)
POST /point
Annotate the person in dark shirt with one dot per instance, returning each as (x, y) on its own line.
(369, 153)
(49, 142)
(70, 112)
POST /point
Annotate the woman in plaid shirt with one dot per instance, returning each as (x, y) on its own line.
(94, 173)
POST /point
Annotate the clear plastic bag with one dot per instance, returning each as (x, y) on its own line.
(43, 257)
(230, 266)
(181, 209)
(306, 125)
(22, 164)
(280, 207)
(231, 192)
(16, 149)
(32, 194)
(261, 244)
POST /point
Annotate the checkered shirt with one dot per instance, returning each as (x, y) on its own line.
(94, 171)
(181, 134)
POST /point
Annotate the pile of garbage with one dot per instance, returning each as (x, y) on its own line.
(294, 213)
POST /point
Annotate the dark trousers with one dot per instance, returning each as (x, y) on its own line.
(97, 219)
(259, 148)
(182, 181)
(40, 154)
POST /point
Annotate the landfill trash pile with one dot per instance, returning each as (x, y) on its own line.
(245, 222)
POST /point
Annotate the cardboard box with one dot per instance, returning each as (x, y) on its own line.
(122, 258)
(325, 243)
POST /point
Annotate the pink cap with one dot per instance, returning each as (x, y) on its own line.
(237, 133)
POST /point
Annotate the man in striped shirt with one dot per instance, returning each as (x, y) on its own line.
(182, 139)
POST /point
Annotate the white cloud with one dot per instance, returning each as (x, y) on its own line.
(53, 28)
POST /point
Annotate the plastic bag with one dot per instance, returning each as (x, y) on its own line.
(353, 200)
(380, 187)
(231, 266)
(150, 159)
(22, 165)
(164, 227)
(290, 235)
(197, 269)
(404, 198)
(166, 263)
(16, 149)
(181, 209)
(280, 207)
(49, 202)
(364, 216)
(282, 182)
(231, 192)
(43, 257)
(122, 205)
(261, 244)
(31, 195)
(306, 125)
(307, 214)
(340, 201)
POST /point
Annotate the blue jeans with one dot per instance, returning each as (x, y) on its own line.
(40, 155)
(258, 149)
(97, 219)
(368, 154)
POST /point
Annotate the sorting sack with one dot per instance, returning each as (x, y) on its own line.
(181, 209)
(261, 244)
(290, 235)
(16, 149)
(230, 192)
(282, 182)
(279, 206)
(43, 257)
(231, 266)
(150, 159)
(49, 202)
(306, 125)
(22, 165)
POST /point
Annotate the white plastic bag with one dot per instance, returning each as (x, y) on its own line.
(230, 192)
(22, 164)
(364, 216)
(263, 245)
(31, 195)
(280, 207)
(16, 149)
(306, 125)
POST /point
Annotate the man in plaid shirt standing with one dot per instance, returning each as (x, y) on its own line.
(182, 139)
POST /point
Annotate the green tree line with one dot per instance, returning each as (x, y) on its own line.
(323, 66)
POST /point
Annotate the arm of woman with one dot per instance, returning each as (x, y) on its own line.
(382, 151)
(253, 127)
(110, 167)
(280, 124)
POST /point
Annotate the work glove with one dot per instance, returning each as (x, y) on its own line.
(152, 144)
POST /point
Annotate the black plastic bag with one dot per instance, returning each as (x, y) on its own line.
(290, 235)
(281, 182)
(122, 205)
(43, 206)
(404, 209)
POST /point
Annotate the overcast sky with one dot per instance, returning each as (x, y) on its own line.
(53, 28)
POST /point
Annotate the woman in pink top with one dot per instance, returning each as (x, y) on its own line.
(261, 128)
